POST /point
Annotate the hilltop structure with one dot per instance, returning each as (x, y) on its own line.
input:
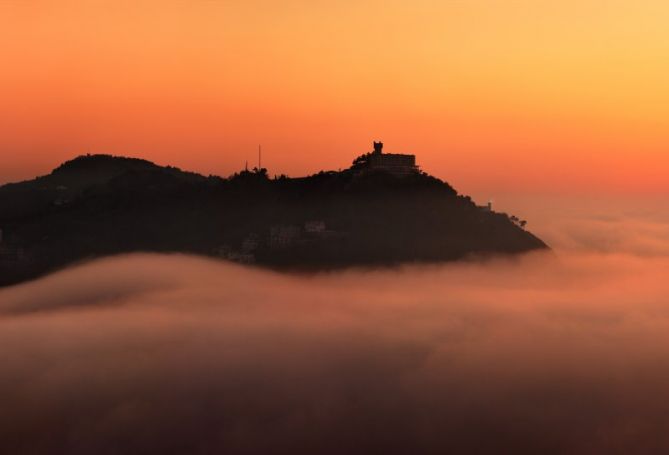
(397, 164)
(381, 211)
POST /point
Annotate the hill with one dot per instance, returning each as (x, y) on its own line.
(98, 205)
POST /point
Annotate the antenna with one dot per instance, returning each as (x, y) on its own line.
(259, 157)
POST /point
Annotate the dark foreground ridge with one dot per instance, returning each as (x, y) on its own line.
(381, 211)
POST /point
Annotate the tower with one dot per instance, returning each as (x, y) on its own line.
(378, 147)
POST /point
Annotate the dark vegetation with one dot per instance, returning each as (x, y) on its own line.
(98, 205)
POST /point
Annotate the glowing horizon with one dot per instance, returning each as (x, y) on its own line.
(491, 96)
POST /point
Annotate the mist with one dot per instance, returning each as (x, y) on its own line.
(552, 352)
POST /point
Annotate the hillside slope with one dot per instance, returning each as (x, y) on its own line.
(98, 205)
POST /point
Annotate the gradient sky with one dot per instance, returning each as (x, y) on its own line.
(493, 96)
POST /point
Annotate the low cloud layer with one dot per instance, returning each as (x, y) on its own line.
(550, 353)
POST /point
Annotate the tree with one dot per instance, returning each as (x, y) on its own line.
(361, 160)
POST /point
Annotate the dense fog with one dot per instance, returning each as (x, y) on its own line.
(566, 351)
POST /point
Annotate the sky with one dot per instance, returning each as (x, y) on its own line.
(493, 96)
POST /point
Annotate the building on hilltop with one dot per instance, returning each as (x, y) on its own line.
(399, 165)
(487, 207)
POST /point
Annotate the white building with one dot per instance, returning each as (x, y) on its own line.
(314, 227)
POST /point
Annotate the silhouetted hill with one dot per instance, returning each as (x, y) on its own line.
(77, 177)
(98, 205)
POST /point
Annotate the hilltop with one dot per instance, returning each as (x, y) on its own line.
(381, 211)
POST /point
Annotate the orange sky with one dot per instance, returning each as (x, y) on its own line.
(493, 96)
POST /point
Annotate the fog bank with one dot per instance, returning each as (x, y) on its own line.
(548, 353)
